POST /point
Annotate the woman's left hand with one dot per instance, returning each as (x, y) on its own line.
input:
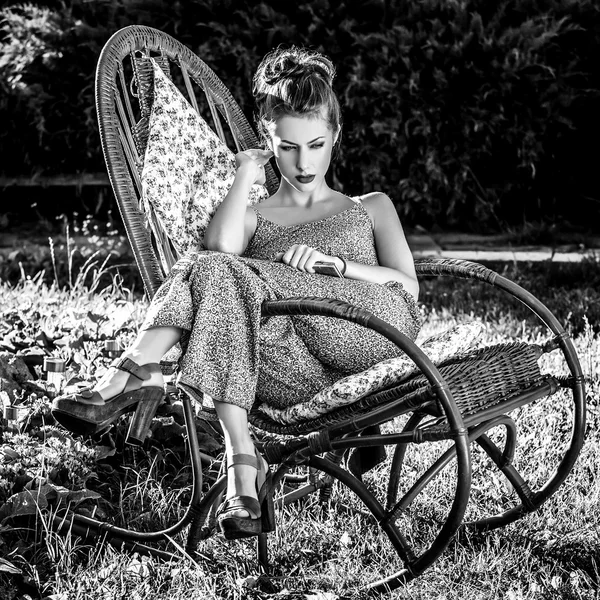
(253, 161)
(302, 257)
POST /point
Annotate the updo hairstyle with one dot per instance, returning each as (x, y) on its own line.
(296, 82)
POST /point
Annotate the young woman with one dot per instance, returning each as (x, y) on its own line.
(211, 300)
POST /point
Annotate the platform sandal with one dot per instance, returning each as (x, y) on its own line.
(86, 413)
(261, 512)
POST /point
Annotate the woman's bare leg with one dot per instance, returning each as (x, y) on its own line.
(241, 479)
(149, 347)
(152, 344)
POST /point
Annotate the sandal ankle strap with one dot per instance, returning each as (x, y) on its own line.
(243, 459)
(142, 372)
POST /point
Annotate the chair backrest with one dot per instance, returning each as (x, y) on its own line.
(124, 93)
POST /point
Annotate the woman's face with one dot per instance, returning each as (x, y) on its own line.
(302, 147)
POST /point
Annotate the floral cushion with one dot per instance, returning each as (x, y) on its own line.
(454, 342)
(187, 169)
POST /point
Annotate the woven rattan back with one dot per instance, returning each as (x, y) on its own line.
(124, 94)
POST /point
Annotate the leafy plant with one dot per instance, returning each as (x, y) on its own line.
(470, 114)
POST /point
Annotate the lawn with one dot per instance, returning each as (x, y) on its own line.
(552, 553)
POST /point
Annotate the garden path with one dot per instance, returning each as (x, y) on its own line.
(443, 245)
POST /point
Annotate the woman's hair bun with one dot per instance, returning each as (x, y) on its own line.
(295, 81)
(294, 63)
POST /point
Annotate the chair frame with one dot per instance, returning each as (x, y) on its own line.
(320, 444)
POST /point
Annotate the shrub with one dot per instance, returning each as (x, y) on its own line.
(470, 114)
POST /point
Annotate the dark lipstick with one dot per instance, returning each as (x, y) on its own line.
(305, 178)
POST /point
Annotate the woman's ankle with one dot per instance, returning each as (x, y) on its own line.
(137, 356)
(240, 447)
(116, 378)
(142, 359)
(241, 481)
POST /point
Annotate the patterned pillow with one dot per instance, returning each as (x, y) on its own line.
(187, 169)
(454, 342)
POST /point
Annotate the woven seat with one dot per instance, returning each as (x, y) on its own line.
(453, 404)
(453, 342)
(482, 383)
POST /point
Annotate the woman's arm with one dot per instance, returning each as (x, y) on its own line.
(395, 258)
(392, 249)
(230, 228)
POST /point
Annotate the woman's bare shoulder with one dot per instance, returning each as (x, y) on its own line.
(377, 203)
(375, 198)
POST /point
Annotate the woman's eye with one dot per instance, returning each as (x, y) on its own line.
(317, 146)
(286, 148)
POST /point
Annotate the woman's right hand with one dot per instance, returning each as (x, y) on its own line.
(253, 163)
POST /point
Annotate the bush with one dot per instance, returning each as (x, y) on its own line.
(483, 103)
(470, 114)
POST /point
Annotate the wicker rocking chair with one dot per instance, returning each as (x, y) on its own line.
(453, 408)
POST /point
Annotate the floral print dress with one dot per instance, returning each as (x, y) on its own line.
(235, 355)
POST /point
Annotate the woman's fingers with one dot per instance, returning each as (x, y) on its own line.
(304, 261)
(265, 156)
(301, 257)
(260, 156)
(291, 255)
(255, 160)
(261, 178)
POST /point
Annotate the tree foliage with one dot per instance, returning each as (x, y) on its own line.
(469, 113)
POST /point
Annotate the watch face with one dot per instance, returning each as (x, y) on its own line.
(327, 268)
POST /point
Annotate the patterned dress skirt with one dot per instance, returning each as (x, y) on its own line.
(233, 354)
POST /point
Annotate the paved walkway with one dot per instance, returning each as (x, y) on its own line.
(496, 248)
(447, 245)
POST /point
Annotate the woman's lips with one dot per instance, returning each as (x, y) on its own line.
(305, 178)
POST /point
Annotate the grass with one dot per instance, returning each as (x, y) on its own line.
(552, 553)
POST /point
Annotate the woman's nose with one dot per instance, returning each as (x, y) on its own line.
(302, 162)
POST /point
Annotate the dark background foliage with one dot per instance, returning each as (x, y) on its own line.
(471, 114)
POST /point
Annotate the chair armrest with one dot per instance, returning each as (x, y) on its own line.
(466, 269)
(454, 267)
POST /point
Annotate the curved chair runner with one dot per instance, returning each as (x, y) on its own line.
(453, 404)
